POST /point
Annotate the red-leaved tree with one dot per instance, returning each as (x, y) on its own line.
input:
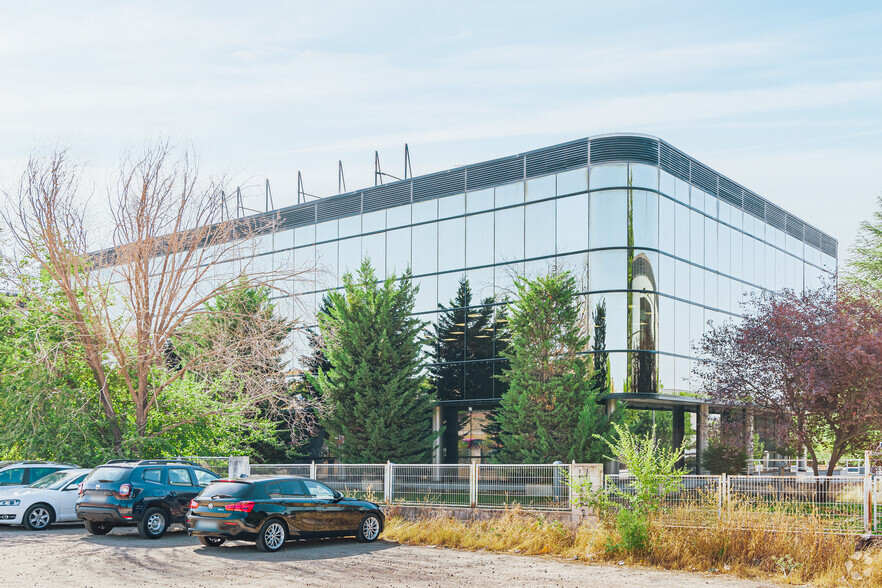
(813, 360)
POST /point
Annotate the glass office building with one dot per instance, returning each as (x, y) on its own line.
(659, 243)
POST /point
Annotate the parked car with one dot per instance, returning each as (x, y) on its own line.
(18, 474)
(151, 494)
(51, 499)
(269, 511)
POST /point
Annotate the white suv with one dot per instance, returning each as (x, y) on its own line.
(22, 473)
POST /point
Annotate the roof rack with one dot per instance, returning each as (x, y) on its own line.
(37, 461)
(110, 461)
(150, 461)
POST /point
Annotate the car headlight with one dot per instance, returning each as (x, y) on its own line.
(10, 502)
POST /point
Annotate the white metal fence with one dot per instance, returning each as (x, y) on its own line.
(771, 466)
(837, 504)
(842, 504)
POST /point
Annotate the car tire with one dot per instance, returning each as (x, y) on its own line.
(272, 535)
(369, 529)
(212, 541)
(153, 524)
(98, 527)
(38, 517)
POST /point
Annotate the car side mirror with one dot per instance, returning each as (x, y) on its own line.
(338, 496)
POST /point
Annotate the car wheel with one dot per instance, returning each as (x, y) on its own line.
(38, 517)
(212, 541)
(98, 527)
(272, 535)
(369, 529)
(153, 524)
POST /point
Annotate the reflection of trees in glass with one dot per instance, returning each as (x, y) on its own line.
(465, 341)
(644, 326)
(600, 379)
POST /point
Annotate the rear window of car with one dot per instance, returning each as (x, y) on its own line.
(226, 490)
(109, 474)
(12, 476)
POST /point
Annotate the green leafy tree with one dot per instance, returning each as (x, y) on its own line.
(378, 407)
(865, 265)
(549, 411)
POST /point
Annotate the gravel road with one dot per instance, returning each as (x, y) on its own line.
(68, 556)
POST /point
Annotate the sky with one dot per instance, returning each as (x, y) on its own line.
(782, 97)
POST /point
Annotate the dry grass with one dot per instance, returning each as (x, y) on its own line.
(801, 557)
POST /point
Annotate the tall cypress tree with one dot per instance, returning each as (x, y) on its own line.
(375, 389)
(549, 411)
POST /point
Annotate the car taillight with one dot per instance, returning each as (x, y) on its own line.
(80, 488)
(240, 506)
(125, 490)
(194, 505)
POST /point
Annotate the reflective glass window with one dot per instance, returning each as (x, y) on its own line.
(616, 319)
(424, 211)
(509, 234)
(326, 260)
(696, 327)
(681, 193)
(326, 231)
(610, 175)
(451, 244)
(349, 226)
(828, 262)
(481, 282)
(645, 217)
(618, 371)
(794, 245)
(540, 188)
(304, 257)
(448, 284)
(681, 226)
(736, 217)
(644, 176)
(304, 235)
(572, 223)
(425, 248)
(666, 275)
(373, 221)
(578, 266)
(780, 269)
(696, 237)
(608, 270)
(710, 243)
(509, 194)
(710, 289)
(710, 205)
(724, 251)
(737, 266)
(398, 250)
(681, 333)
(696, 284)
(451, 206)
(682, 275)
(769, 253)
(572, 182)
(349, 255)
(666, 225)
(667, 184)
(504, 278)
(427, 297)
(398, 216)
(608, 219)
(539, 237)
(667, 324)
(666, 373)
(479, 239)
(479, 200)
(759, 262)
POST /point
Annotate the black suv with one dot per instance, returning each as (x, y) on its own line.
(150, 493)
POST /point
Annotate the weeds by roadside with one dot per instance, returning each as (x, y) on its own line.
(808, 556)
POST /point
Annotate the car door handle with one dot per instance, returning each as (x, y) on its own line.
(172, 493)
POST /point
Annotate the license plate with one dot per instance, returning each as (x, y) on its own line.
(98, 498)
(206, 526)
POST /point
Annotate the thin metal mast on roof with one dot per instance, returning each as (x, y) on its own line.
(341, 181)
(269, 197)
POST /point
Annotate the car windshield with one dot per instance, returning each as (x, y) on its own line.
(108, 474)
(54, 481)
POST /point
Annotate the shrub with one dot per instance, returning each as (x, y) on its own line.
(722, 458)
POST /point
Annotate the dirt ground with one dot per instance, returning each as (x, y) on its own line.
(68, 556)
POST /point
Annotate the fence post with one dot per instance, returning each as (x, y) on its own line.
(473, 485)
(722, 488)
(312, 470)
(868, 494)
(388, 479)
(239, 466)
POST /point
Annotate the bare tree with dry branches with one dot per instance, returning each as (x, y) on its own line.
(173, 250)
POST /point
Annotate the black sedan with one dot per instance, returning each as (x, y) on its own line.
(270, 511)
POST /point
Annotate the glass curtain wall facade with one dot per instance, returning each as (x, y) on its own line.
(658, 241)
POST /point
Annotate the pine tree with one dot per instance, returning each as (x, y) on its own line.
(378, 408)
(549, 411)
